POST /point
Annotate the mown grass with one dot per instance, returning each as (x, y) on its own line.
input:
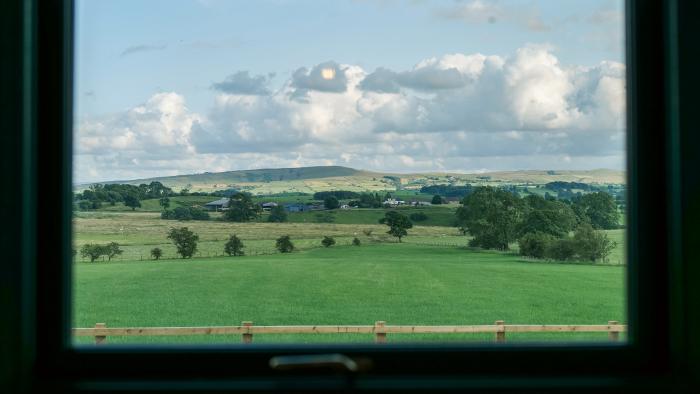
(400, 283)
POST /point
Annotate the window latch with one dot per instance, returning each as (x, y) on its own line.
(336, 362)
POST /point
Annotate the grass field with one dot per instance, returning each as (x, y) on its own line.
(399, 283)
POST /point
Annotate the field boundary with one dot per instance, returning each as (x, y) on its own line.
(380, 330)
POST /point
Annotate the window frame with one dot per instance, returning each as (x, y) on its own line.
(661, 315)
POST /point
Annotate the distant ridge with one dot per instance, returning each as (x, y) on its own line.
(322, 178)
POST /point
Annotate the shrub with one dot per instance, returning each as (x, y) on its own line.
(284, 244)
(437, 200)
(418, 216)
(185, 241)
(367, 232)
(93, 251)
(592, 245)
(562, 249)
(277, 215)
(234, 246)
(156, 253)
(112, 249)
(356, 242)
(534, 244)
(328, 241)
(185, 213)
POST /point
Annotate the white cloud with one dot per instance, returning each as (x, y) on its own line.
(456, 112)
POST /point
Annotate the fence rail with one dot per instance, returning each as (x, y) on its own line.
(100, 332)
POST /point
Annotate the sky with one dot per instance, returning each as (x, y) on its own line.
(189, 86)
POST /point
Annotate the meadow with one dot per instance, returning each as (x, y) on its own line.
(430, 278)
(399, 283)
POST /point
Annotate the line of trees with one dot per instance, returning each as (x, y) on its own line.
(495, 218)
(130, 195)
(95, 251)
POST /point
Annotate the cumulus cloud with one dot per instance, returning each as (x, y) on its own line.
(454, 112)
(242, 83)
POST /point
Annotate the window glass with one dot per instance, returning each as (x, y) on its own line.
(355, 171)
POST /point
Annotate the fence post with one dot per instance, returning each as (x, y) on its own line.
(501, 333)
(379, 334)
(613, 335)
(247, 337)
(100, 339)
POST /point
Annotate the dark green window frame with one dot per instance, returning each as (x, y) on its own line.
(662, 353)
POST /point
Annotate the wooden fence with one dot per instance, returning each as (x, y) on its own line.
(380, 330)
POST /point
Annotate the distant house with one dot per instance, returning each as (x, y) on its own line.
(296, 208)
(266, 206)
(218, 205)
(345, 206)
(394, 202)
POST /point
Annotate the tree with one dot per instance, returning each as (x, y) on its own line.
(112, 250)
(491, 216)
(328, 241)
(546, 216)
(93, 251)
(592, 245)
(241, 208)
(277, 214)
(331, 202)
(437, 200)
(561, 249)
(132, 201)
(164, 202)
(398, 224)
(534, 244)
(156, 253)
(234, 246)
(355, 241)
(284, 244)
(185, 241)
(599, 209)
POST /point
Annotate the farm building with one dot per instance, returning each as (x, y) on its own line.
(218, 205)
(266, 206)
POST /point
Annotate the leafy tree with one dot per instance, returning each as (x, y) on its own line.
(85, 205)
(234, 246)
(93, 251)
(156, 253)
(132, 201)
(561, 249)
(547, 216)
(491, 216)
(398, 224)
(241, 208)
(112, 250)
(164, 202)
(331, 202)
(599, 209)
(592, 245)
(356, 241)
(418, 216)
(437, 200)
(185, 240)
(328, 241)
(277, 214)
(284, 244)
(534, 244)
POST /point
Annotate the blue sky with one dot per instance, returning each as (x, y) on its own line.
(146, 65)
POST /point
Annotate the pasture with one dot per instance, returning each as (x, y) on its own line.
(398, 283)
(430, 278)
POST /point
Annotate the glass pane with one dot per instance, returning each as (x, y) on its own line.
(349, 171)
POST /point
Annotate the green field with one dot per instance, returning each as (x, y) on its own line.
(400, 283)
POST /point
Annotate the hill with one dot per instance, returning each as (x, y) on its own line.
(322, 178)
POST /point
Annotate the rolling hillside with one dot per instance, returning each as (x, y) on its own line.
(322, 178)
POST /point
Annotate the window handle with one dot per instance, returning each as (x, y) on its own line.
(337, 362)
